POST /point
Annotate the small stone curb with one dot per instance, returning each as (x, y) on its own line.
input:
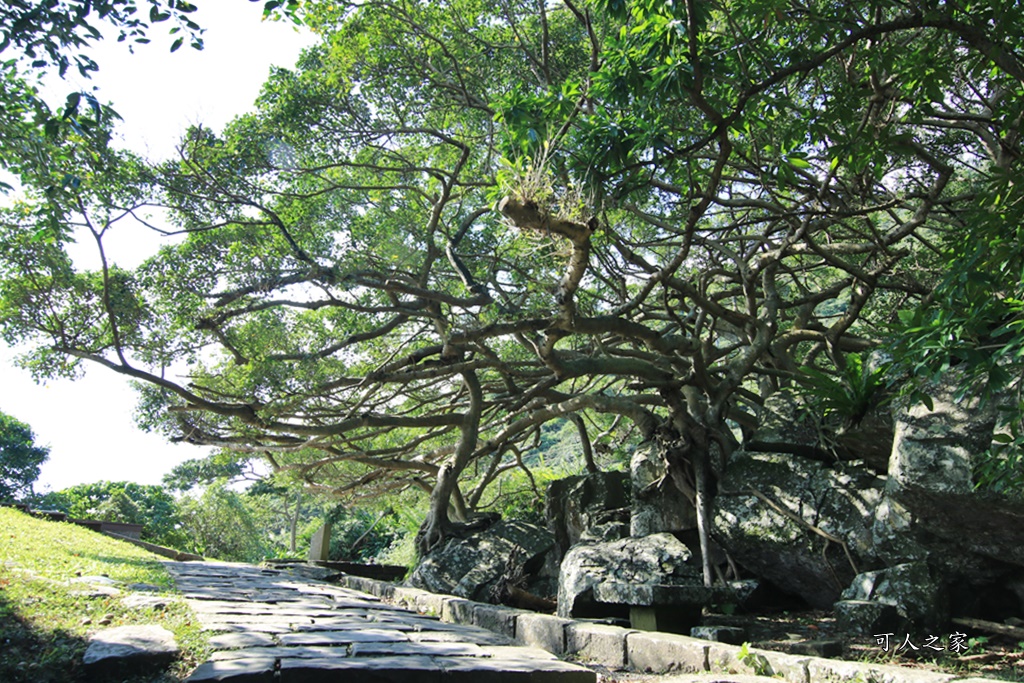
(651, 652)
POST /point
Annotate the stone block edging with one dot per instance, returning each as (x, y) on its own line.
(642, 651)
(170, 553)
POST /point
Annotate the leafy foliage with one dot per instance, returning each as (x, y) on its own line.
(222, 466)
(20, 458)
(55, 34)
(219, 524)
(848, 397)
(54, 149)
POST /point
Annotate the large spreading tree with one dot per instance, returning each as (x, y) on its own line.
(457, 221)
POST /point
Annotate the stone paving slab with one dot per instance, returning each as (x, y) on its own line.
(276, 652)
(123, 648)
(409, 648)
(231, 641)
(342, 624)
(495, 670)
(270, 626)
(365, 670)
(218, 626)
(371, 635)
(255, 670)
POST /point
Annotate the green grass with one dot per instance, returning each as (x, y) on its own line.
(44, 624)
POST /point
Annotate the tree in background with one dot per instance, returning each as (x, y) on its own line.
(219, 523)
(20, 458)
(223, 466)
(121, 501)
(456, 222)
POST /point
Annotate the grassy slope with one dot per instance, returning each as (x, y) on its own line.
(44, 625)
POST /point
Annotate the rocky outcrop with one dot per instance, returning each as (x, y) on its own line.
(658, 504)
(595, 578)
(801, 524)
(596, 503)
(869, 440)
(470, 567)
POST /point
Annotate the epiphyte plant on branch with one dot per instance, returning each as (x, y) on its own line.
(365, 299)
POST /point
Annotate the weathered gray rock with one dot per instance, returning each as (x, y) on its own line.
(660, 653)
(866, 617)
(625, 571)
(96, 580)
(137, 601)
(786, 425)
(817, 648)
(657, 503)
(736, 635)
(911, 588)
(931, 510)
(144, 587)
(575, 505)
(602, 533)
(932, 448)
(870, 440)
(469, 567)
(129, 648)
(768, 539)
(543, 631)
(598, 643)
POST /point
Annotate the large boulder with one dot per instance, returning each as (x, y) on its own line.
(934, 445)
(869, 440)
(470, 567)
(786, 425)
(931, 509)
(777, 515)
(912, 588)
(624, 572)
(658, 504)
(587, 503)
(789, 424)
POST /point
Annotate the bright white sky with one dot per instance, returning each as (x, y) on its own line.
(88, 423)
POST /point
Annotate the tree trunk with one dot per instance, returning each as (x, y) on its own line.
(437, 524)
(294, 540)
(700, 473)
(588, 451)
(694, 447)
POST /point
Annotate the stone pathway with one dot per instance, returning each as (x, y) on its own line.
(272, 626)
